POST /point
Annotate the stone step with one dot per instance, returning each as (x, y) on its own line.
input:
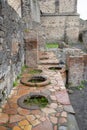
(72, 123)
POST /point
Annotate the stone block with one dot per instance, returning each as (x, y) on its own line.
(1, 40)
(1, 20)
(75, 70)
(1, 34)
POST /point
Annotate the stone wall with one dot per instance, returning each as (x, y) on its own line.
(16, 5)
(60, 19)
(76, 65)
(46, 6)
(11, 48)
(83, 25)
(84, 38)
(67, 6)
(85, 67)
(58, 6)
(75, 70)
(35, 11)
(61, 27)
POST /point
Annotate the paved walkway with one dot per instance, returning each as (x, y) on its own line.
(58, 115)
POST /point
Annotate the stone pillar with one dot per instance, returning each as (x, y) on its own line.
(75, 70)
(35, 11)
(26, 14)
(31, 49)
(85, 66)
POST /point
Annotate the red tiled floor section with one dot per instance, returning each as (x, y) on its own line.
(62, 97)
(46, 125)
(15, 118)
(3, 128)
(22, 111)
(3, 118)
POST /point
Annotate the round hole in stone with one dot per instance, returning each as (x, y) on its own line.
(33, 101)
(55, 68)
(37, 79)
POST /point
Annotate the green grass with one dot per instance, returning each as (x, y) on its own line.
(35, 71)
(39, 101)
(51, 45)
(15, 83)
(81, 86)
(19, 76)
(24, 68)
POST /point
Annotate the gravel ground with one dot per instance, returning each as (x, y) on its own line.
(79, 102)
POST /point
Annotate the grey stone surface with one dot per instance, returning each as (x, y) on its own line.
(63, 128)
(72, 124)
(10, 63)
(69, 109)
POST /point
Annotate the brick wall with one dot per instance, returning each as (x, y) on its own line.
(75, 70)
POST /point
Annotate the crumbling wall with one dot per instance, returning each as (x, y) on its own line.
(11, 48)
(83, 25)
(61, 28)
(60, 19)
(75, 70)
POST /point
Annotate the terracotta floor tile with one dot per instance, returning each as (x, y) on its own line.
(22, 111)
(16, 128)
(55, 127)
(53, 120)
(13, 99)
(11, 125)
(30, 117)
(36, 112)
(28, 127)
(3, 128)
(23, 92)
(16, 118)
(35, 122)
(23, 123)
(62, 97)
(3, 118)
(13, 105)
(46, 125)
(10, 111)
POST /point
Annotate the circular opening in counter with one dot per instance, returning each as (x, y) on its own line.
(33, 101)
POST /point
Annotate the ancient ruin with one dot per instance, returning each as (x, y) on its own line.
(25, 28)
